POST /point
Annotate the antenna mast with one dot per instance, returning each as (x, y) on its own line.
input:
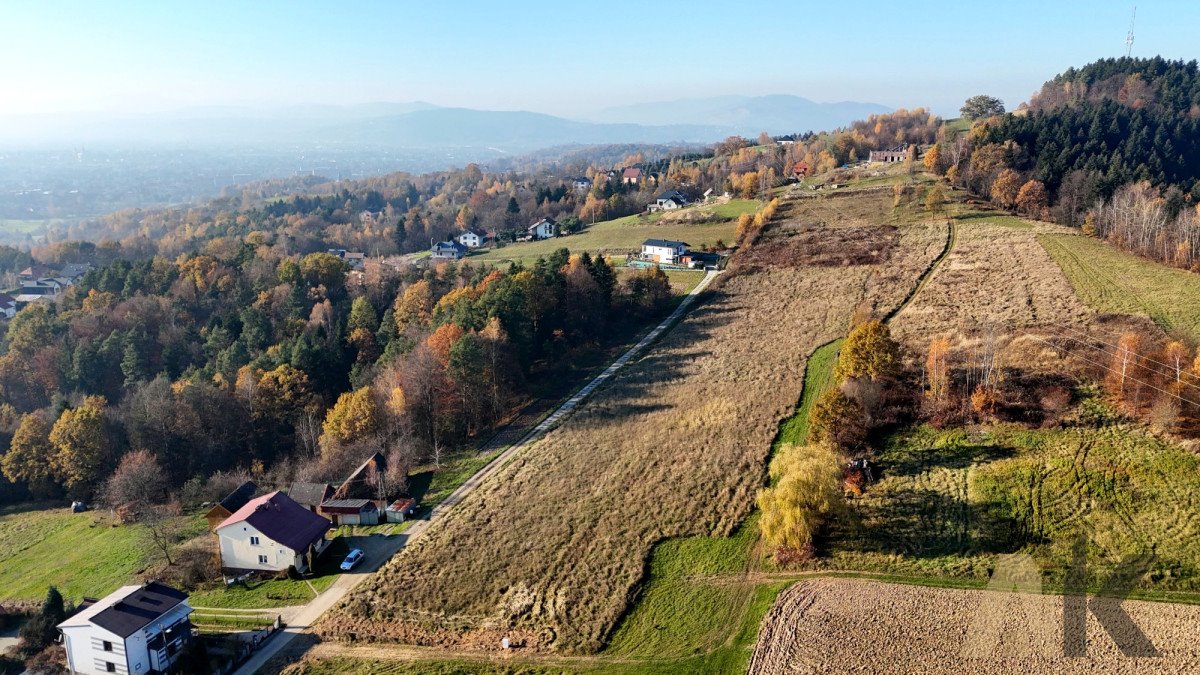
(1129, 36)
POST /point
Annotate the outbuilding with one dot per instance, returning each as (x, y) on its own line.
(351, 511)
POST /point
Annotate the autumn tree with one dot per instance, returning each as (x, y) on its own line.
(1175, 355)
(138, 481)
(353, 418)
(937, 367)
(806, 490)
(30, 456)
(1122, 379)
(1006, 187)
(869, 351)
(935, 199)
(837, 420)
(415, 306)
(1032, 198)
(932, 160)
(82, 448)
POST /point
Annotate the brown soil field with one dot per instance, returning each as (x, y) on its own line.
(550, 550)
(997, 277)
(843, 625)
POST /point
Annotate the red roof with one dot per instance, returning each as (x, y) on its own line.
(632, 172)
(281, 519)
(402, 505)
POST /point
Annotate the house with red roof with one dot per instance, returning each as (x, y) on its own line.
(270, 534)
(631, 176)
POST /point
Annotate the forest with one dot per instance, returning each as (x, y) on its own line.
(1112, 148)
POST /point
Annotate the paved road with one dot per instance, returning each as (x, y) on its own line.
(379, 549)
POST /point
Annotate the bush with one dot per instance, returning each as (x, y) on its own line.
(807, 489)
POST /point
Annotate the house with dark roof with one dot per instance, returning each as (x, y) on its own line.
(663, 251)
(310, 495)
(472, 238)
(351, 511)
(8, 305)
(270, 534)
(135, 629)
(447, 250)
(231, 503)
(669, 201)
(545, 228)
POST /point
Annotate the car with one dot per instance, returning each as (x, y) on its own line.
(353, 558)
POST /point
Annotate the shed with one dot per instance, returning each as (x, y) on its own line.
(401, 510)
(351, 511)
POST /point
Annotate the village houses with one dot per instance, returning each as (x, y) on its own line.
(472, 238)
(546, 228)
(447, 250)
(271, 533)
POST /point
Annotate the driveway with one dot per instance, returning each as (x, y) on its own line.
(379, 549)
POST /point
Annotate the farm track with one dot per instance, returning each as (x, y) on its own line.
(951, 238)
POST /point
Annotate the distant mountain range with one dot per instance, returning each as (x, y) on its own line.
(746, 115)
(420, 125)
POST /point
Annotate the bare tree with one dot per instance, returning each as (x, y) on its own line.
(159, 522)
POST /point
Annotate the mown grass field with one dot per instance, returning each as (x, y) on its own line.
(82, 554)
(267, 593)
(949, 502)
(622, 235)
(1109, 280)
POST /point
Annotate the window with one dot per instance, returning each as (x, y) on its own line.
(107, 646)
(262, 560)
(254, 541)
(110, 667)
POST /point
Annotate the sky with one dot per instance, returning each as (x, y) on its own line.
(564, 58)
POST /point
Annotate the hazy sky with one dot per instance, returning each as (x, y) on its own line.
(558, 56)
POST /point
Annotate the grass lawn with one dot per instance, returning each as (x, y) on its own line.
(818, 374)
(262, 594)
(1109, 280)
(949, 502)
(454, 472)
(626, 234)
(82, 554)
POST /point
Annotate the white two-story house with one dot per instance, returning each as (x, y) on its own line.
(136, 629)
(471, 238)
(270, 534)
(546, 228)
(663, 251)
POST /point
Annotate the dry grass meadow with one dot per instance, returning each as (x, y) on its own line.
(843, 625)
(998, 276)
(550, 551)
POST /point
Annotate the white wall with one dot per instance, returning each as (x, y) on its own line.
(238, 552)
(85, 649)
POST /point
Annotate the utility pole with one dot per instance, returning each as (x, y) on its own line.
(1129, 35)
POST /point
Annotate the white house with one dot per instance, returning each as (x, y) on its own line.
(270, 534)
(663, 251)
(669, 201)
(8, 306)
(471, 238)
(447, 250)
(581, 184)
(543, 229)
(136, 629)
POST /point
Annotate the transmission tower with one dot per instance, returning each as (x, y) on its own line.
(1129, 35)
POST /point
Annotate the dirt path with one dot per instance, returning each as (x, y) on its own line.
(380, 549)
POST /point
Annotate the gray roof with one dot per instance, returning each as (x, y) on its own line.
(345, 505)
(673, 194)
(138, 609)
(310, 494)
(664, 242)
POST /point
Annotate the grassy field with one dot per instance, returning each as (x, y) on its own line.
(817, 377)
(674, 446)
(267, 593)
(950, 501)
(82, 554)
(625, 234)
(1109, 280)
